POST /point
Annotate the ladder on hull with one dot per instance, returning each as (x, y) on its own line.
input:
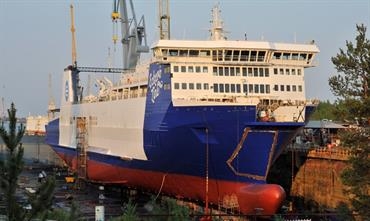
(81, 148)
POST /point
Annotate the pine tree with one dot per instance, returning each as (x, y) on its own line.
(10, 169)
(352, 86)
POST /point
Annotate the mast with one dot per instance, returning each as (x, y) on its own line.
(164, 20)
(217, 29)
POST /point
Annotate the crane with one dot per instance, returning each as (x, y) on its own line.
(164, 20)
(73, 30)
(133, 33)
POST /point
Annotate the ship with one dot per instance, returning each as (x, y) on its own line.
(35, 125)
(203, 120)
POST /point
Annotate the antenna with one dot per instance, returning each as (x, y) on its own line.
(164, 20)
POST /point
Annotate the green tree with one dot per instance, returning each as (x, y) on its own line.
(351, 86)
(325, 110)
(10, 169)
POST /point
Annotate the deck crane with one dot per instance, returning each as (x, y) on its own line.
(133, 33)
(73, 30)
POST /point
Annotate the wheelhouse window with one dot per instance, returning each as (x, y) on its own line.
(261, 56)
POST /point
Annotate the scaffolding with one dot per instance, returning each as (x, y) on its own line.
(82, 145)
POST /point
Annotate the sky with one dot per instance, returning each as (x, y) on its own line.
(35, 37)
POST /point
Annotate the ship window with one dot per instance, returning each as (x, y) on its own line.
(183, 68)
(190, 69)
(288, 88)
(222, 88)
(215, 88)
(197, 69)
(299, 72)
(261, 72)
(261, 55)
(232, 71)
(232, 88)
(166, 86)
(237, 71)
(287, 71)
(215, 71)
(250, 72)
(267, 74)
(244, 55)
(177, 86)
(281, 71)
(281, 87)
(295, 56)
(294, 87)
(206, 86)
(214, 55)
(199, 86)
(228, 54)
(300, 88)
(238, 88)
(205, 69)
(205, 53)
(226, 71)
(236, 55)
(245, 88)
(220, 71)
(302, 57)
(193, 53)
(244, 70)
(262, 88)
(293, 71)
(253, 56)
(276, 87)
(164, 52)
(175, 68)
(256, 88)
(219, 55)
(184, 53)
(275, 71)
(167, 69)
(183, 86)
(267, 88)
(250, 88)
(277, 55)
(191, 86)
(174, 52)
(255, 72)
(227, 88)
(309, 58)
(286, 56)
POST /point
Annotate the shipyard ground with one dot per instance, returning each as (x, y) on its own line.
(91, 195)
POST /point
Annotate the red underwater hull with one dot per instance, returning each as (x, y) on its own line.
(247, 198)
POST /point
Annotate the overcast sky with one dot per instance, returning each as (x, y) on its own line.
(35, 38)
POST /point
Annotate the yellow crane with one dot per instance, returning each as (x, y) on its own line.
(73, 30)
